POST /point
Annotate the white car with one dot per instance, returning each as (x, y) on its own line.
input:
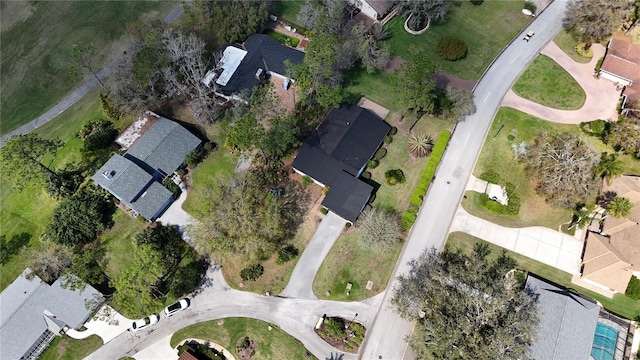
(144, 322)
(176, 307)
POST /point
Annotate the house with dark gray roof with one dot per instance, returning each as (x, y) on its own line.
(567, 322)
(336, 154)
(242, 67)
(32, 313)
(135, 177)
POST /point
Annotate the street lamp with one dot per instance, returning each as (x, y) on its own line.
(346, 326)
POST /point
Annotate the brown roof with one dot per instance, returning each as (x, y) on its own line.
(623, 60)
(603, 264)
(187, 356)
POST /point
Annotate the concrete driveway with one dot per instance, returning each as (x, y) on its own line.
(175, 215)
(551, 247)
(301, 281)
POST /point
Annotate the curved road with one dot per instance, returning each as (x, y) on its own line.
(386, 339)
(386, 330)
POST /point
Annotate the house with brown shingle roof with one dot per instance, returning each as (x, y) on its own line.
(612, 256)
(622, 66)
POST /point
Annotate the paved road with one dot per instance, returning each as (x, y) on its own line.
(386, 338)
(78, 93)
(301, 281)
(295, 316)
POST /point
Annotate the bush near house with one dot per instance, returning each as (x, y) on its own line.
(252, 272)
(409, 217)
(395, 176)
(451, 48)
(633, 288)
(595, 128)
(287, 253)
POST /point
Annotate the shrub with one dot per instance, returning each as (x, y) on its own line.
(380, 154)
(347, 226)
(425, 179)
(109, 109)
(324, 211)
(633, 288)
(477, 2)
(393, 131)
(387, 139)
(490, 177)
(419, 145)
(171, 186)
(512, 207)
(394, 176)
(287, 253)
(372, 164)
(598, 64)
(597, 128)
(97, 134)
(181, 172)
(210, 146)
(584, 50)
(252, 272)
(530, 6)
(366, 175)
(192, 158)
(306, 181)
(335, 327)
(451, 48)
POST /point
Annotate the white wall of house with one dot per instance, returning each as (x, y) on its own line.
(615, 78)
(365, 8)
(314, 180)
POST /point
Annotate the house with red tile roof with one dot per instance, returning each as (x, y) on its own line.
(622, 66)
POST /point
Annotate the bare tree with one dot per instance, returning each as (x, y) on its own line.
(595, 20)
(379, 229)
(49, 261)
(564, 166)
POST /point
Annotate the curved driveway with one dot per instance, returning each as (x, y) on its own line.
(386, 339)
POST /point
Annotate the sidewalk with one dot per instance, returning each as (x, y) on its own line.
(602, 96)
(562, 251)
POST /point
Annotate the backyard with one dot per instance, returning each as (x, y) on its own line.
(66, 348)
(486, 29)
(620, 304)
(36, 48)
(272, 342)
(547, 83)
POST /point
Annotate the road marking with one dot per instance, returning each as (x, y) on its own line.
(514, 59)
(486, 97)
(467, 139)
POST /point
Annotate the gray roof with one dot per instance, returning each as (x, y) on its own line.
(121, 177)
(22, 311)
(163, 146)
(153, 201)
(567, 323)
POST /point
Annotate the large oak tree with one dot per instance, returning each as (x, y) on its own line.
(595, 20)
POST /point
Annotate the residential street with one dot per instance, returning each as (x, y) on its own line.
(386, 339)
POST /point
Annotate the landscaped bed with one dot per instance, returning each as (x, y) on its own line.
(567, 43)
(343, 334)
(285, 39)
(547, 83)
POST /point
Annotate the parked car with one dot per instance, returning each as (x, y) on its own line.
(144, 322)
(528, 36)
(176, 307)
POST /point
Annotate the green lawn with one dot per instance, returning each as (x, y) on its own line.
(272, 344)
(486, 29)
(567, 43)
(620, 304)
(288, 10)
(376, 87)
(546, 82)
(293, 42)
(66, 348)
(349, 262)
(35, 51)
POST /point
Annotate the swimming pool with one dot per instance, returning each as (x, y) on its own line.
(604, 342)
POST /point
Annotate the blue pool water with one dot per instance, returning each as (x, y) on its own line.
(604, 342)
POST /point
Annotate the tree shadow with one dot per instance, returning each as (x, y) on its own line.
(12, 246)
(605, 198)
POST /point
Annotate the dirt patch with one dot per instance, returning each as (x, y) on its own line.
(286, 98)
(246, 348)
(443, 80)
(395, 62)
(13, 12)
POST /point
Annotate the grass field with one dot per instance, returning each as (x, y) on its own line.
(274, 344)
(620, 304)
(376, 87)
(547, 83)
(567, 43)
(66, 348)
(36, 46)
(486, 29)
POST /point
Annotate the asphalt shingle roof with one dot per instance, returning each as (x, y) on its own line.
(22, 308)
(347, 197)
(567, 323)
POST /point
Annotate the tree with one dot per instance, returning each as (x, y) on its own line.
(82, 58)
(466, 306)
(419, 145)
(563, 165)
(609, 167)
(245, 134)
(49, 261)
(379, 230)
(620, 207)
(595, 20)
(415, 84)
(80, 219)
(462, 104)
(167, 240)
(423, 11)
(280, 139)
(624, 135)
(85, 268)
(22, 157)
(379, 31)
(582, 216)
(231, 21)
(97, 134)
(308, 15)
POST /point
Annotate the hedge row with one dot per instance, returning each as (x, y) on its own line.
(409, 217)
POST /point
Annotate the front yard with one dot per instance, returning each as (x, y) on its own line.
(66, 348)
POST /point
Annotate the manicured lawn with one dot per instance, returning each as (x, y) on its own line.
(620, 304)
(288, 10)
(348, 262)
(66, 348)
(274, 344)
(486, 29)
(119, 242)
(567, 43)
(547, 83)
(293, 42)
(376, 87)
(35, 51)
